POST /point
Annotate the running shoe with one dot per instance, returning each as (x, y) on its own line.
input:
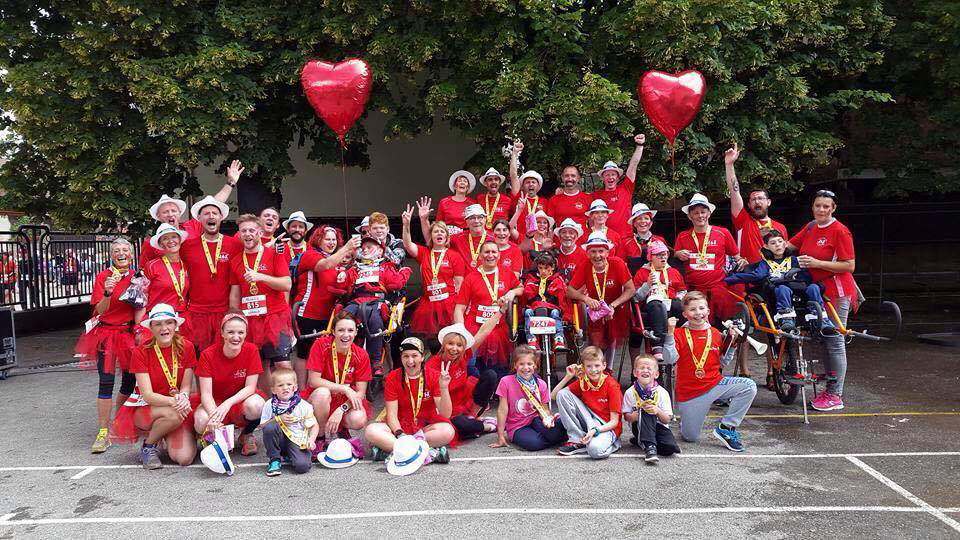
(150, 458)
(378, 454)
(532, 342)
(729, 437)
(101, 444)
(440, 455)
(273, 469)
(572, 448)
(248, 444)
(650, 456)
(827, 402)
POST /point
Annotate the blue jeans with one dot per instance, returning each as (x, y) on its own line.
(541, 312)
(784, 296)
(536, 436)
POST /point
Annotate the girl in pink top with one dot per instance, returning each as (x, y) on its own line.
(524, 414)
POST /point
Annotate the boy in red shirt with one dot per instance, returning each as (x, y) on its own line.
(590, 407)
(544, 291)
(696, 349)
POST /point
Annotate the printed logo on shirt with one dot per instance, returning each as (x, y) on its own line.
(822, 241)
(240, 374)
(578, 206)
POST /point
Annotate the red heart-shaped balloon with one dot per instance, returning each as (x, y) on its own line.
(671, 101)
(337, 92)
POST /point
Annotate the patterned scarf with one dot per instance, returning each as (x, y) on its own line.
(645, 393)
(281, 407)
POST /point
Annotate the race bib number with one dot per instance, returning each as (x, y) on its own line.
(484, 313)
(254, 305)
(368, 275)
(438, 292)
(91, 324)
(705, 263)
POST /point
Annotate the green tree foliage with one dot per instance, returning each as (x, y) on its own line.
(117, 101)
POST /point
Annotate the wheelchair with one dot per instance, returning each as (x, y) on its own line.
(789, 369)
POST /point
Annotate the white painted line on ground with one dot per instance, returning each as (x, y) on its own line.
(937, 513)
(6, 517)
(530, 456)
(83, 473)
(468, 512)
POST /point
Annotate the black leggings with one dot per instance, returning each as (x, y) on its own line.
(468, 427)
(107, 380)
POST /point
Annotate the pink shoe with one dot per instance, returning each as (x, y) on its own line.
(489, 424)
(827, 402)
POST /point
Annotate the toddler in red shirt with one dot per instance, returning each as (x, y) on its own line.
(543, 292)
(589, 407)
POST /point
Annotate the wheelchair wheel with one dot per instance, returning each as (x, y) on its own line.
(786, 392)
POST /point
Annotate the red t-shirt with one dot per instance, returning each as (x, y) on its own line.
(117, 312)
(211, 292)
(161, 289)
(266, 300)
(499, 208)
(450, 211)
(313, 288)
(395, 388)
(567, 263)
(229, 375)
(749, 239)
(474, 294)
(617, 276)
(320, 360)
(563, 206)
(620, 202)
(527, 208)
(451, 265)
(708, 273)
(602, 401)
(512, 258)
(461, 392)
(148, 253)
(831, 243)
(463, 242)
(688, 385)
(668, 275)
(630, 247)
(144, 360)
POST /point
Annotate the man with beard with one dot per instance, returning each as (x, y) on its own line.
(570, 202)
(619, 197)
(207, 258)
(293, 243)
(169, 210)
(750, 222)
(569, 254)
(495, 205)
(524, 189)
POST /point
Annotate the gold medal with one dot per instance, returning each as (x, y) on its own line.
(473, 253)
(436, 264)
(212, 261)
(601, 290)
(699, 373)
(337, 378)
(701, 250)
(490, 211)
(699, 363)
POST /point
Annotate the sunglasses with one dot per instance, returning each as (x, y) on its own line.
(826, 193)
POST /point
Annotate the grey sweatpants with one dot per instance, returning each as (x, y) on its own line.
(739, 390)
(578, 419)
(836, 348)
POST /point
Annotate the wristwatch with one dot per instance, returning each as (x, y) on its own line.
(596, 432)
(398, 433)
(345, 407)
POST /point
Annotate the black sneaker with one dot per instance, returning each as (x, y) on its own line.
(378, 455)
(650, 455)
(635, 442)
(788, 325)
(571, 449)
(440, 455)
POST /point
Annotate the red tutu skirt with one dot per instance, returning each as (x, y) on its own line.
(411, 426)
(612, 332)
(429, 317)
(114, 342)
(497, 347)
(267, 328)
(124, 429)
(462, 398)
(205, 328)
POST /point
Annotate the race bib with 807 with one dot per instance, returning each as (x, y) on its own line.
(484, 313)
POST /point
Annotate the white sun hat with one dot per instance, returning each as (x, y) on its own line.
(162, 312)
(473, 210)
(569, 223)
(638, 210)
(610, 166)
(408, 456)
(493, 172)
(164, 199)
(597, 239)
(299, 216)
(216, 456)
(208, 201)
(467, 174)
(364, 223)
(598, 205)
(541, 214)
(163, 230)
(535, 175)
(698, 199)
(457, 328)
(338, 455)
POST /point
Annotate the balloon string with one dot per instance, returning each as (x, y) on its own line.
(343, 180)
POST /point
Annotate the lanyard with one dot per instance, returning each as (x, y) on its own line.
(536, 200)
(256, 264)
(780, 268)
(336, 365)
(436, 264)
(496, 284)
(536, 245)
(212, 263)
(490, 211)
(698, 364)
(701, 251)
(171, 377)
(177, 284)
(662, 280)
(475, 253)
(764, 223)
(415, 405)
(543, 288)
(117, 274)
(286, 431)
(585, 383)
(601, 291)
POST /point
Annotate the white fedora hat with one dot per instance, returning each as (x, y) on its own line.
(473, 210)
(466, 174)
(598, 205)
(535, 175)
(338, 455)
(541, 214)
(161, 312)
(216, 456)
(493, 172)
(610, 166)
(364, 223)
(164, 200)
(299, 216)
(408, 456)
(569, 223)
(208, 201)
(638, 210)
(163, 230)
(597, 239)
(457, 328)
(698, 199)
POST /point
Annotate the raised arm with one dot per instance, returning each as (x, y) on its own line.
(407, 238)
(639, 140)
(423, 210)
(733, 186)
(233, 176)
(329, 262)
(514, 167)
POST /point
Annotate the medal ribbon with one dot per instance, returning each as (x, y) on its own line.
(171, 377)
(475, 253)
(543, 288)
(698, 364)
(286, 431)
(177, 285)
(779, 268)
(415, 405)
(435, 264)
(701, 250)
(585, 383)
(533, 398)
(663, 281)
(336, 365)
(496, 284)
(256, 265)
(212, 263)
(601, 291)
(490, 211)
(532, 209)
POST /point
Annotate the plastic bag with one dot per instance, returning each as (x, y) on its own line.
(136, 292)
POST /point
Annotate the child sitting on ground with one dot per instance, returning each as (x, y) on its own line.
(543, 292)
(695, 348)
(523, 415)
(289, 427)
(660, 288)
(589, 407)
(646, 405)
(780, 275)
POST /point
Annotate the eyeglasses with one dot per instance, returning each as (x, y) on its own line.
(826, 193)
